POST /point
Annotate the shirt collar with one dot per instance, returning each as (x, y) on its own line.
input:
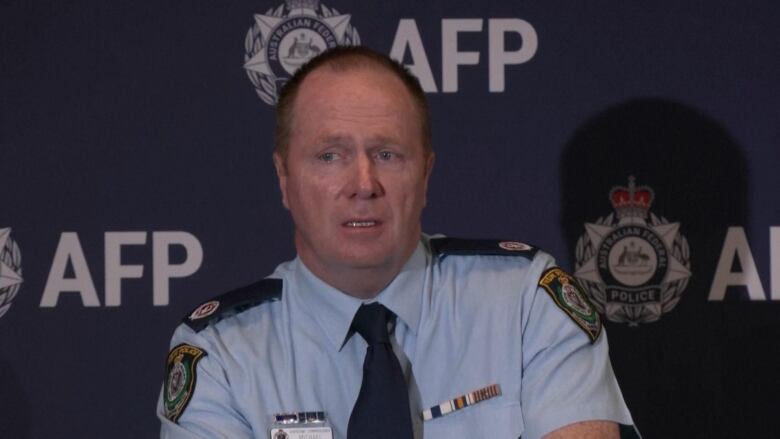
(334, 310)
(404, 294)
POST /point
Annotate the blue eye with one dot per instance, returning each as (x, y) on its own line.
(328, 157)
(386, 155)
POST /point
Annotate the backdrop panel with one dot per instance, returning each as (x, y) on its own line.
(635, 141)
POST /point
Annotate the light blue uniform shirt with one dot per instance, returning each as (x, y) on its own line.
(464, 323)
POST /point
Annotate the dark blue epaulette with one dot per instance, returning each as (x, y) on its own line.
(234, 302)
(457, 246)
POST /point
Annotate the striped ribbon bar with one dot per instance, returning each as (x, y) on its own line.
(462, 402)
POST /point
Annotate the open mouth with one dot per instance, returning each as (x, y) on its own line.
(361, 224)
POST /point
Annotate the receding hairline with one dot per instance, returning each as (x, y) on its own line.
(343, 68)
(352, 61)
(341, 71)
(348, 59)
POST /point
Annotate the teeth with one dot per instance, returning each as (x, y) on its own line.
(361, 223)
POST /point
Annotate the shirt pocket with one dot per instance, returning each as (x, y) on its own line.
(489, 420)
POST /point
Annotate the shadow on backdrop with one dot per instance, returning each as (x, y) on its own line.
(688, 367)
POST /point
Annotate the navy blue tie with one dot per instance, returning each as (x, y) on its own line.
(382, 407)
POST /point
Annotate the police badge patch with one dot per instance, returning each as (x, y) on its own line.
(566, 293)
(634, 264)
(286, 37)
(180, 379)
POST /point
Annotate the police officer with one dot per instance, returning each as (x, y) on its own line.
(376, 329)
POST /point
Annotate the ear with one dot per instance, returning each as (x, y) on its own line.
(429, 164)
(428, 170)
(281, 173)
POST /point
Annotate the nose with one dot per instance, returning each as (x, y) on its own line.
(365, 184)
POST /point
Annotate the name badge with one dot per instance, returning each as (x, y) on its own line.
(301, 425)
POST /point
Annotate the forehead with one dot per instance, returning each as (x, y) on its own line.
(366, 96)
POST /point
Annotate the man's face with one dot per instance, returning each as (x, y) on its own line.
(356, 174)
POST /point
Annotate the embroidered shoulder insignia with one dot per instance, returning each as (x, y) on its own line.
(180, 379)
(234, 302)
(569, 296)
(457, 246)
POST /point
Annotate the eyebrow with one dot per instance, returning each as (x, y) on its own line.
(334, 138)
(344, 138)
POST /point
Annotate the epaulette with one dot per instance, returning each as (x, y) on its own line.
(234, 302)
(458, 246)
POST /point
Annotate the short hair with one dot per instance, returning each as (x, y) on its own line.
(346, 58)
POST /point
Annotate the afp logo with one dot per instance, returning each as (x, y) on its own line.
(10, 270)
(634, 264)
(285, 37)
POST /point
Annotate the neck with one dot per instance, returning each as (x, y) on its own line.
(358, 282)
(361, 284)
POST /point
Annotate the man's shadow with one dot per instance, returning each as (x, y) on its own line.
(703, 369)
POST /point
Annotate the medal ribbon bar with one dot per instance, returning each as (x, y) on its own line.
(462, 402)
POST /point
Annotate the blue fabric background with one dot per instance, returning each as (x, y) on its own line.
(138, 116)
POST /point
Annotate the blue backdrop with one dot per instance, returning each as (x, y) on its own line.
(136, 182)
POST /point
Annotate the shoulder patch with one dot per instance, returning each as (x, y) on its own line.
(569, 296)
(236, 301)
(457, 246)
(180, 379)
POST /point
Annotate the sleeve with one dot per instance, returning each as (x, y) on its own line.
(566, 374)
(196, 399)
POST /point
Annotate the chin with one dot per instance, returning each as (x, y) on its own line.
(367, 260)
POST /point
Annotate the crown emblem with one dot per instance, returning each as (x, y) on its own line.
(631, 201)
(302, 4)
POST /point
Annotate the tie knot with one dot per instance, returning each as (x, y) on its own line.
(371, 323)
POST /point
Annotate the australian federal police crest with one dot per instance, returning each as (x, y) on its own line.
(10, 270)
(634, 264)
(286, 37)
